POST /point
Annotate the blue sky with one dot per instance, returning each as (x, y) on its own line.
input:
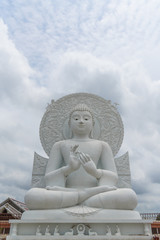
(49, 49)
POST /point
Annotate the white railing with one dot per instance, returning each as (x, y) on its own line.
(152, 216)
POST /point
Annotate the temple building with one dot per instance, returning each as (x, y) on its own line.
(155, 225)
(9, 209)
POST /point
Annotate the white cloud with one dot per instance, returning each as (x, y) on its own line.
(16, 75)
(110, 48)
(21, 103)
(78, 72)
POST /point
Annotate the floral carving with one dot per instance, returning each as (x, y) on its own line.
(123, 170)
(39, 168)
(108, 127)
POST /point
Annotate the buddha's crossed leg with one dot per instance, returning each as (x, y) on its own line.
(58, 197)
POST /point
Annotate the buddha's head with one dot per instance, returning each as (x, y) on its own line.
(81, 120)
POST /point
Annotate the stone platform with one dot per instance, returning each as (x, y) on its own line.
(80, 223)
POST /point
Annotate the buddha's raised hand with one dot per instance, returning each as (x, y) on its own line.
(89, 165)
(74, 162)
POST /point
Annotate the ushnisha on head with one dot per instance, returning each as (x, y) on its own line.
(81, 107)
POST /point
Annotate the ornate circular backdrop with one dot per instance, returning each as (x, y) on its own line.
(108, 123)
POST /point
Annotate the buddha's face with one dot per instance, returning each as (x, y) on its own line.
(81, 123)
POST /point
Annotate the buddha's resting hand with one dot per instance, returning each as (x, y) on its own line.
(89, 165)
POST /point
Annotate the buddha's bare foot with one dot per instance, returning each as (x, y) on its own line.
(56, 188)
(52, 188)
(107, 188)
(100, 189)
(89, 192)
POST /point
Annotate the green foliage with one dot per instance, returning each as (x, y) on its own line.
(158, 217)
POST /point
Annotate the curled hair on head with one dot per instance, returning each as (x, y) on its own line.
(81, 107)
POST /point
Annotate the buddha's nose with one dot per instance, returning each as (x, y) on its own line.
(81, 121)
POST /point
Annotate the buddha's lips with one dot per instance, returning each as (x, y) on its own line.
(81, 125)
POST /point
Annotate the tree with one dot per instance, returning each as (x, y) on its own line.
(158, 217)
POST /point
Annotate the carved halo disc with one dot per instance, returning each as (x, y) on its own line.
(108, 124)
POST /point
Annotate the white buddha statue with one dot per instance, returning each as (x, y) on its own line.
(81, 170)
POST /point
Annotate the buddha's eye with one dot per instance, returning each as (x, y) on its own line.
(76, 118)
(86, 118)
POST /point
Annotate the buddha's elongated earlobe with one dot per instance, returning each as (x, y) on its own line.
(91, 134)
(70, 135)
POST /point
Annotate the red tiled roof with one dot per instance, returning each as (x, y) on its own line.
(20, 204)
(13, 207)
